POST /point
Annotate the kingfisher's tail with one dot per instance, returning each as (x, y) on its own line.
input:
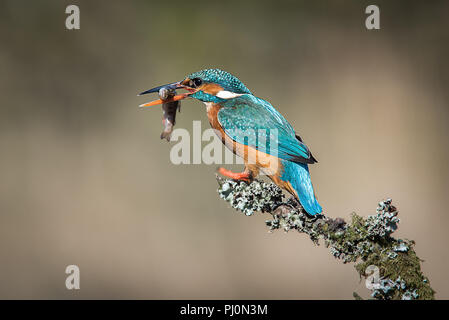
(297, 174)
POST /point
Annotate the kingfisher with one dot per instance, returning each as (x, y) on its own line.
(254, 130)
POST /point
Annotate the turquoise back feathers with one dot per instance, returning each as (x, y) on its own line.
(255, 122)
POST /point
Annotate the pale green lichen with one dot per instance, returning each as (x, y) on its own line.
(364, 241)
(249, 198)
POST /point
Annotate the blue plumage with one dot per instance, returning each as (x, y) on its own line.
(226, 80)
(257, 127)
(250, 120)
(250, 117)
(254, 122)
(299, 177)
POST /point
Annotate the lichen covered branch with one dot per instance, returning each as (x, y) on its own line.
(367, 242)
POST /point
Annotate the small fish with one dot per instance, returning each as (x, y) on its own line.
(169, 109)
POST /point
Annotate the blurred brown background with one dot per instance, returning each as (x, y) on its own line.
(86, 180)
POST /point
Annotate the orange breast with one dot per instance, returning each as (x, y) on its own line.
(255, 160)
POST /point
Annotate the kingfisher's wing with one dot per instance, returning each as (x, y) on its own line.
(255, 122)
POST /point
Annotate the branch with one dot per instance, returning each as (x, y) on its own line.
(364, 241)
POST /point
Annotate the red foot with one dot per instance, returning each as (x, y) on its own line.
(245, 176)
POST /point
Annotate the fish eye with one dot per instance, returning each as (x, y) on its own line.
(196, 82)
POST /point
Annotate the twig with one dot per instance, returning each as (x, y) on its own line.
(365, 241)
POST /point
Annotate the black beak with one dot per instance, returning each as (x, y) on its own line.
(175, 85)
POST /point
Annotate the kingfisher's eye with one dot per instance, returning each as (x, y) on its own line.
(196, 82)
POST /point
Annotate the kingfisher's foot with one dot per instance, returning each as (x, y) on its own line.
(244, 176)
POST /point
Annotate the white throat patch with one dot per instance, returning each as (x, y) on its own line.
(223, 94)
